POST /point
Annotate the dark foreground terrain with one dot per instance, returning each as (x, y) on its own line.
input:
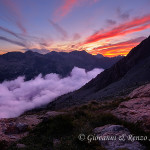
(51, 130)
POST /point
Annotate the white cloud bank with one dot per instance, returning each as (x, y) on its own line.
(18, 96)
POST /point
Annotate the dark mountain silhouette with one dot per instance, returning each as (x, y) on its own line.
(99, 56)
(128, 73)
(31, 64)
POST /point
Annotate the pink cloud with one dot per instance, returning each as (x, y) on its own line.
(135, 25)
(67, 7)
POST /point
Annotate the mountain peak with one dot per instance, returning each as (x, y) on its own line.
(13, 55)
(29, 52)
(141, 51)
(99, 56)
(31, 64)
(76, 52)
(123, 76)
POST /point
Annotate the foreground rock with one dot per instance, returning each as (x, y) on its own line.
(20, 146)
(114, 137)
(14, 129)
(142, 91)
(137, 108)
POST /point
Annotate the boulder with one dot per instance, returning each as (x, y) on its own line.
(142, 91)
(22, 127)
(20, 146)
(137, 108)
(114, 137)
(15, 128)
(51, 114)
(56, 142)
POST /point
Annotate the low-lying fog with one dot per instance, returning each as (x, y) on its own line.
(18, 96)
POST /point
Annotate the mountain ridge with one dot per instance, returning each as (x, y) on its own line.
(31, 64)
(112, 80)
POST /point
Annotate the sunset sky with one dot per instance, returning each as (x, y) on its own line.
(107, 27)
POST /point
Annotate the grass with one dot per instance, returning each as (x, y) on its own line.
(3, 144)
(66, 128)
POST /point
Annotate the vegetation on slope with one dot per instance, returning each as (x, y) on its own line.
(61, 132)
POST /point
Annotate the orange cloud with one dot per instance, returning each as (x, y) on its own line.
(115, 51)
(135, 25)
(118, 50)
(2, 52)
(121, 48)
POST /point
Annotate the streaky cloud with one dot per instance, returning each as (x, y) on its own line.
(63, 10)
(123, 15)
(135, 25)
(67, 7)
(59, 29)
(16, 13)
(41, 51)
(121, 48)
(10, 32)
(12, 41)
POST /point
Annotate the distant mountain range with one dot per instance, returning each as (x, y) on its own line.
(127, 74)
(31, 64)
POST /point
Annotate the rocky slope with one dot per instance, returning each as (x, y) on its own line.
(31, 64)
(121, 78)
(137, 108)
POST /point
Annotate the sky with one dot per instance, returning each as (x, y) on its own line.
(107, 27)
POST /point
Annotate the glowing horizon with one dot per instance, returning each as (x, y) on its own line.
(96, 26)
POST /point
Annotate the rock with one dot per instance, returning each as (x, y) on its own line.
(114, 137)
(13, 137)
(19, 146)
(30, 120)
(11, 128)
(56, 142)
(142, 91)
(51, 114)
(15, 128)
(22, 127)
(110, 128)
(134, 110)
(54, 113)
(137, 109)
